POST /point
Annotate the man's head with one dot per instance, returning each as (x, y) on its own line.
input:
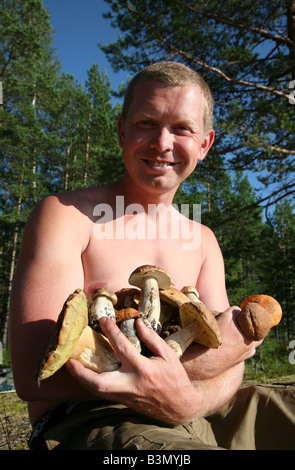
(173, 74)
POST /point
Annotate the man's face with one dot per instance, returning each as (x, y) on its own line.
(162, 136)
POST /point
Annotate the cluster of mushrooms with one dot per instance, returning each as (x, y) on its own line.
(177, 315)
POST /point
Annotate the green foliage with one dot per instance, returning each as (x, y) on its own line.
(271, 361)
(245, 51)
(57, 134)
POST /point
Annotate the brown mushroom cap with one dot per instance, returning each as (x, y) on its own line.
(190, 313)
(142, 272)
(105, 293)
(254, 321)
(127, 297)
(190, 290)
(69, 326)
(173, 296)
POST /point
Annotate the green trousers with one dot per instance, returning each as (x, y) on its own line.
(257, 418)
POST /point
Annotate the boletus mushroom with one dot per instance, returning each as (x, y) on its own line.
(199, 325)
(102, 306)
(126, 320)
(192, 293)
(259, 313)
(73, 338)
(150, 279)
(126, 313)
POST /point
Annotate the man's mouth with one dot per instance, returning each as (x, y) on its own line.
(159, 164)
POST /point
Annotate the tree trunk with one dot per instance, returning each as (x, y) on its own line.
(291, 34)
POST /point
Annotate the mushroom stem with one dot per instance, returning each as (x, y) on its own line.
(149, 305)
(102, 306)
(126, 321)
(182, 339)
(150, 279)
(191, 293)
(129, 330)
(95, 352)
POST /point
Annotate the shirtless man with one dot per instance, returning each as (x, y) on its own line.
(164, 132)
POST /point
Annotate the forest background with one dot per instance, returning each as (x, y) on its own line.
(58, 134)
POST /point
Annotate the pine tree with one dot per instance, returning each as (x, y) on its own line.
(246, 52)
(103, 158)
(278, 263)
(26, 59)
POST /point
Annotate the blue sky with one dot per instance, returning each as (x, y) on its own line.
(79, 26)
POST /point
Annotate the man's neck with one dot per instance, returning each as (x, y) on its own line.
(134, 194)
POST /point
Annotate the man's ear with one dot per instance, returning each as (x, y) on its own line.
(207, 143)
(121, 131)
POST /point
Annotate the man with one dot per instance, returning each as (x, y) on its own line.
(164, 131)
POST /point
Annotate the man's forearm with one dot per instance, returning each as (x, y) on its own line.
(215, 392)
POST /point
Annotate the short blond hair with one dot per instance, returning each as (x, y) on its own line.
(172, 74)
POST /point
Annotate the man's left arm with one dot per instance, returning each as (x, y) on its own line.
(157, 386)
(211, 280)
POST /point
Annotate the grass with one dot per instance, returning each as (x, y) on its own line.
(15, 426)
(270, 364)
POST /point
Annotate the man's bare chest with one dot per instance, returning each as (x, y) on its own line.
(109, 262)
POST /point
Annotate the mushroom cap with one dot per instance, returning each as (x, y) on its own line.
(137, 276)
(173, 296)
(190, 290)
(269, 303)
(126, 314)
(127, 297)
(190, 312)
(71, 321)
(95, 352)
(254, 321)
(105, 293)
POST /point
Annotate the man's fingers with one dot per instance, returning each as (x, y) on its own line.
(157, 346)
(126, 351)
(101, 385)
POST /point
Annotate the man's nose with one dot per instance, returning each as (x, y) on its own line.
(162, 139)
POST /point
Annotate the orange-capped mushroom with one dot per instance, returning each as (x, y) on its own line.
(269, 303)
(126, 314)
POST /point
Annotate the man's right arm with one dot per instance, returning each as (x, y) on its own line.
(49, 269)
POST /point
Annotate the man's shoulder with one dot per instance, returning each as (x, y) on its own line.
(68, 203)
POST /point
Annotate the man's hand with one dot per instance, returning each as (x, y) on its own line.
(157, 386)
(203, 363)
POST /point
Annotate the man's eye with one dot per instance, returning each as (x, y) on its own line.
(183, 129)
(146, 123)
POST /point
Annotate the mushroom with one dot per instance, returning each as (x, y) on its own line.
(103, 306)
(192, 293)
(127, 312)
(169, 328)
(173, 296)
(126, 318)
(95, 352)
(198, 324)
(150, 279)
(127, 297)
(73, 338)
(259, 313)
